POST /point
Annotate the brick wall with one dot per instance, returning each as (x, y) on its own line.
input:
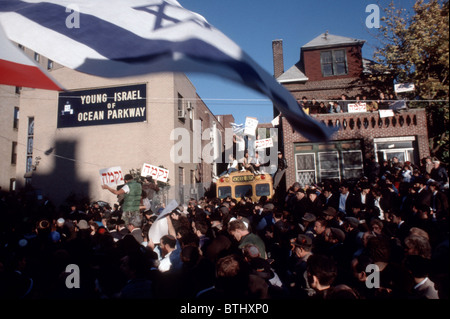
(278, 63)
(330, 89)
(313, 69)
(414, 124)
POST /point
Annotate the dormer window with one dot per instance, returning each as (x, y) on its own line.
(333, 62)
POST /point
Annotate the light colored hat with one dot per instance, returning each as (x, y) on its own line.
(82, 224)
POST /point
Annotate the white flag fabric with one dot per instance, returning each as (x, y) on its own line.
(19, 70)
(238, 129)
(116, 38)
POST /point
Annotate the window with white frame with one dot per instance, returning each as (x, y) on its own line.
(305, 168)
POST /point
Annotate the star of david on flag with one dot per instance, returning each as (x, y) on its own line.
(119, 38)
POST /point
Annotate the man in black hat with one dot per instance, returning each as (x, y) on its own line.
(421, 194)
(302, 250)
(330, 215)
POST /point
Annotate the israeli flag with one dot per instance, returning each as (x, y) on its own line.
(117, 38)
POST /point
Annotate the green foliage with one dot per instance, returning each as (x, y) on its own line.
(415, 49)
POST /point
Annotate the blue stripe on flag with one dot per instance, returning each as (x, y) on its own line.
(122, 46)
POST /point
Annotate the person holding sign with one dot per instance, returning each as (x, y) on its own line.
(282, 166)
(131, 192)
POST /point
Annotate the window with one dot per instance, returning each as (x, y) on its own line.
(192, 178)
(329, 165)
(12, 184)
(16, 118)
(36, 57)
(401, 147)
(262, 189)
(49, 64)
(29, 163)
(243, 190)
(306, 168)
(180, 108)
(333, 62)
(14, 153)
(353, 164)
(224, 191)
(181, 183)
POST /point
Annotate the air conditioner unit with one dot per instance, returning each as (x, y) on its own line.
(189, 106)
(181, 114)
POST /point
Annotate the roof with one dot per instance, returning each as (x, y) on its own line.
(294, 74)
(329, 40)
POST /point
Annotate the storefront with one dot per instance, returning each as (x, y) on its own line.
(318, 162)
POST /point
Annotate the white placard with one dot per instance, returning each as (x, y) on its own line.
(158, 173)
(357, 107)
(264, 143)
(404, 87)
(386, 113)
(112, 176)
(251, 124)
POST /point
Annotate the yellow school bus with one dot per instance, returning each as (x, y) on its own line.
(239, 184)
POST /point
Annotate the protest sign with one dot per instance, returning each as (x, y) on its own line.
(264, 143)
(112, 176)
(357, 107)
(251, 124)
(158, 173)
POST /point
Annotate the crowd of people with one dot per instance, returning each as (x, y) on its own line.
(313, 106)
(381, 237)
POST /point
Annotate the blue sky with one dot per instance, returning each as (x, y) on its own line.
(253, 25)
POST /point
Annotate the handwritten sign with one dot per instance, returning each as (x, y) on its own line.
(264, 143)
(158, 173)
(357, 107)
(112, 176)
(251, 124)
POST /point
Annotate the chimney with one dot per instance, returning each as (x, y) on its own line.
(278, 63)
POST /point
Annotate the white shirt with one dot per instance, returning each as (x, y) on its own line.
(233, 164)
(342, 200)
(165, 263)
(126, 188)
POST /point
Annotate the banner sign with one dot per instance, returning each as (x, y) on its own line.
(111, 105)
(357, 107)
(112, 176)
(404, 87)
(264, 143)
(158, 173)
(251, 124)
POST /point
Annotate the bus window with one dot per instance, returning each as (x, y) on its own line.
(262, 189)
(224, 191)
(243, 190)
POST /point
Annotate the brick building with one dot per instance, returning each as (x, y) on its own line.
(330, 66)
